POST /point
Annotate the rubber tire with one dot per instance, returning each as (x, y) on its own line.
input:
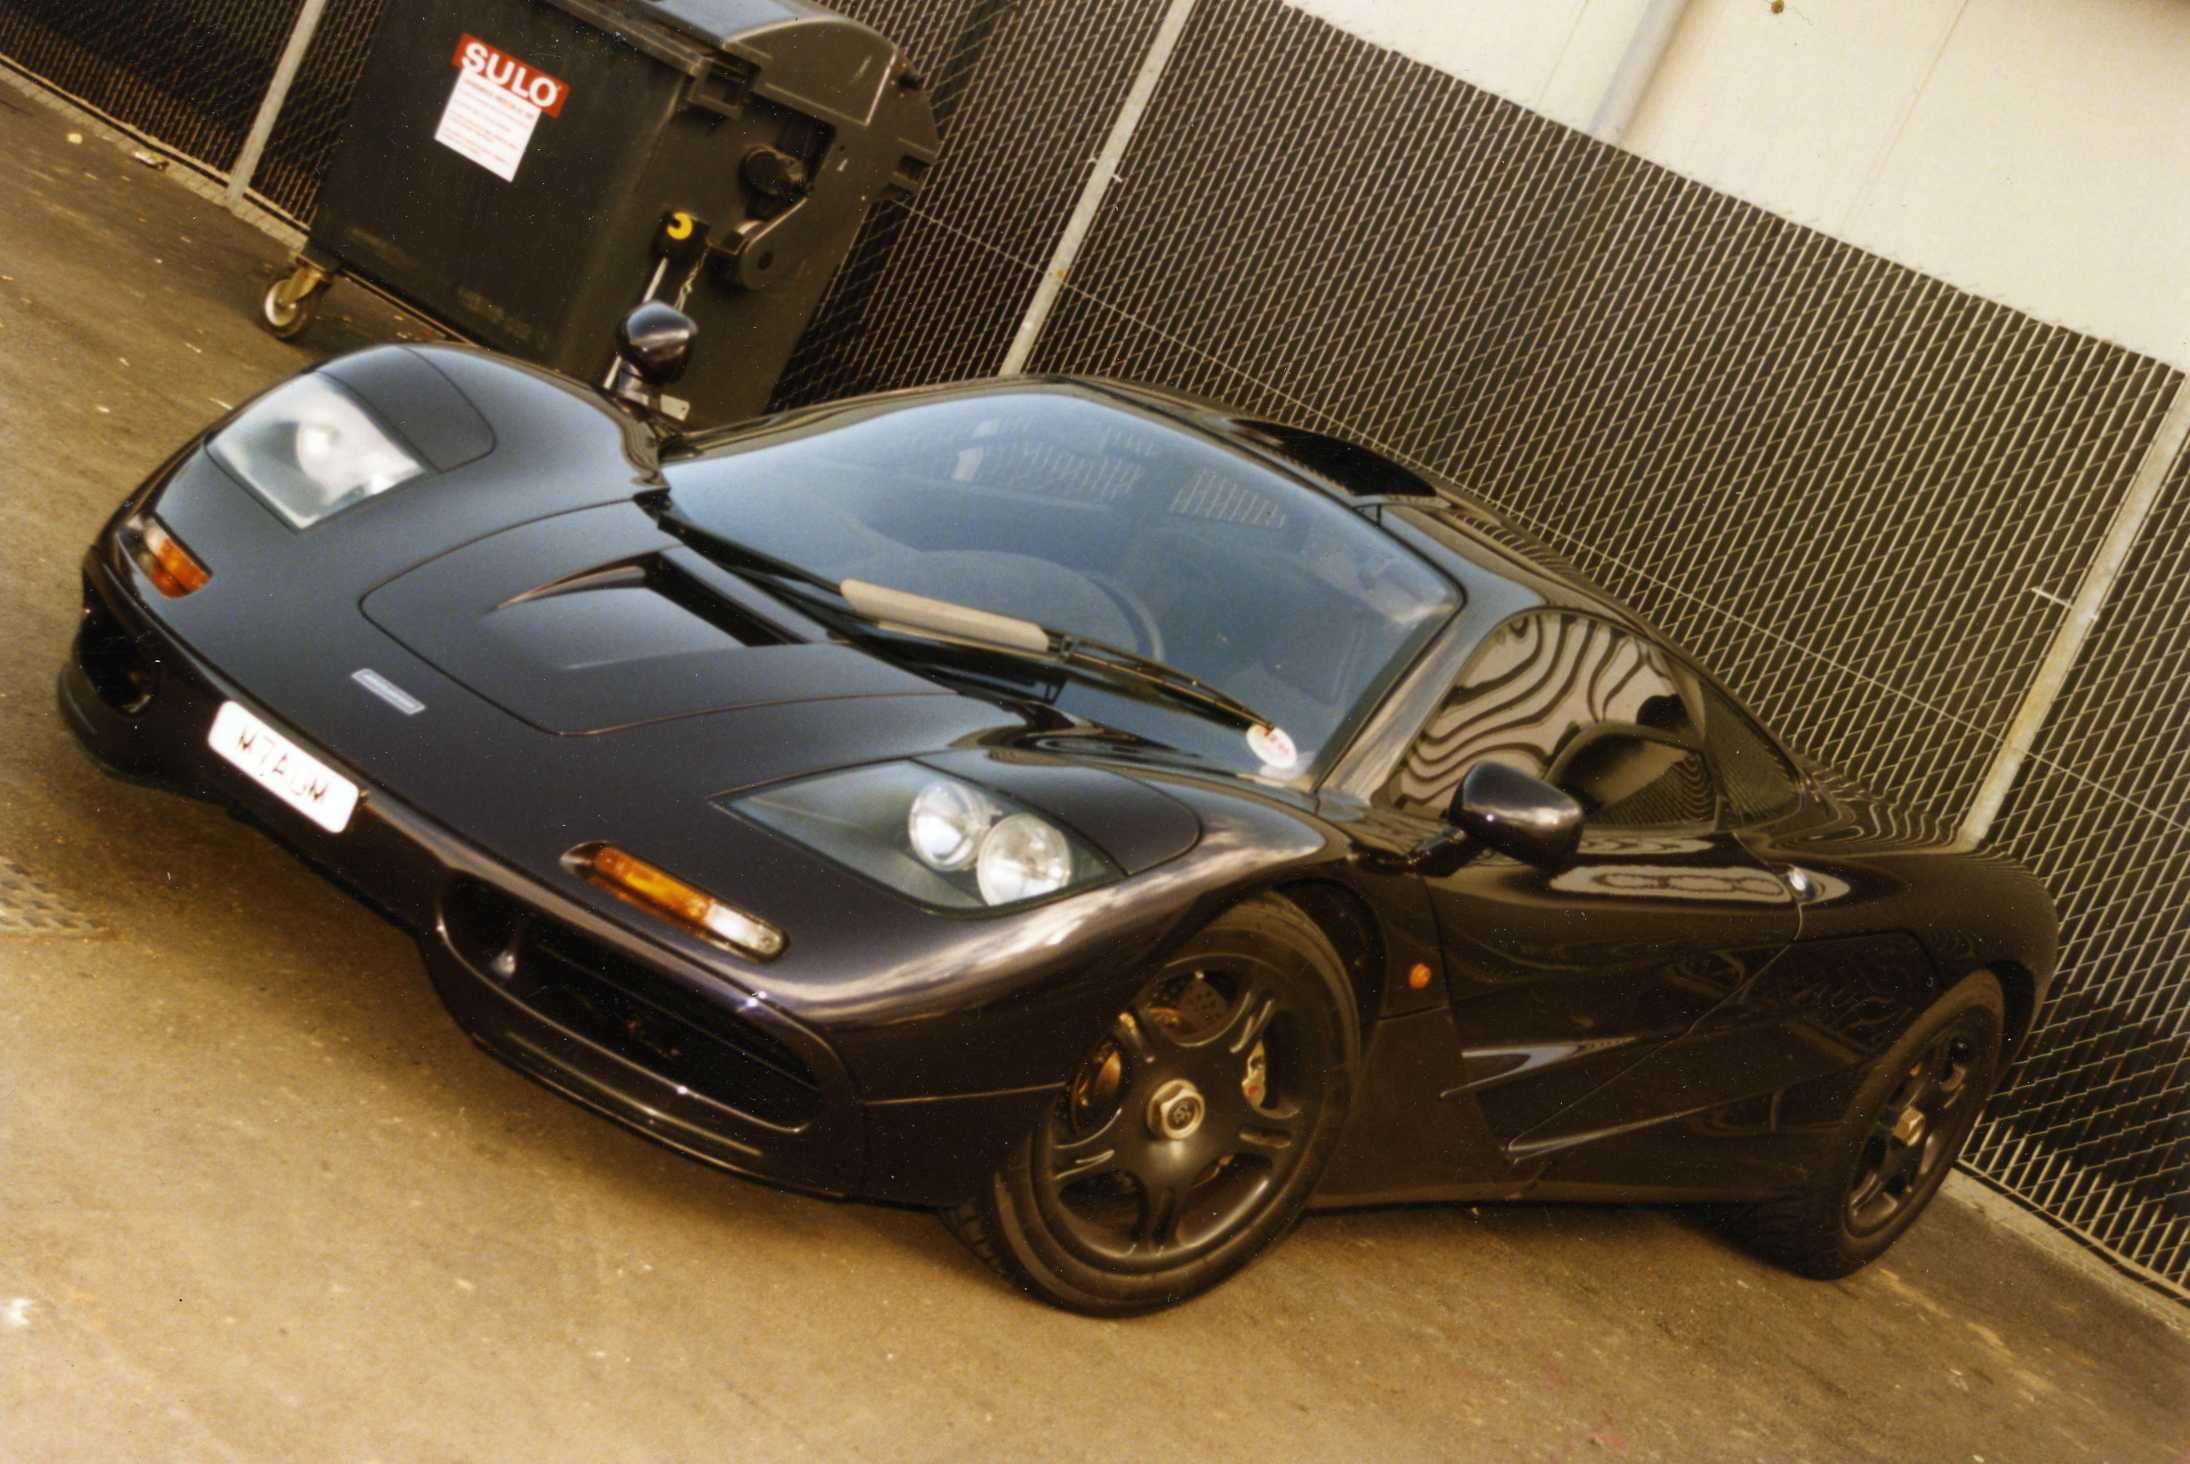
(288, 322)
(994, 1223)
(1807, 1231)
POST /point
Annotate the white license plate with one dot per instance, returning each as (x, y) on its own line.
(282, 768)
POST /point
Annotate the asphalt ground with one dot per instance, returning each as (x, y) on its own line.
(260, 1199)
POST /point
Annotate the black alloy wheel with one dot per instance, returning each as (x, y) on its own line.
(1897, 1139)
(1916, 1133)
(1193, 1131)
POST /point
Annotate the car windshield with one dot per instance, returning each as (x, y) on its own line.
(1057, 505)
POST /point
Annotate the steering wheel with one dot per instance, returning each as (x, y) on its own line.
(1145, 629)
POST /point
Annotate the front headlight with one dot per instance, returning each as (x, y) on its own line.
(947, 822)
(310, 449)
(939, 839)
(1022, 858)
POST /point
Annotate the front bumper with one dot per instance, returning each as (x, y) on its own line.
(577, 1002)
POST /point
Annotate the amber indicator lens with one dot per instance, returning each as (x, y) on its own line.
(173, 570)
(665, 894)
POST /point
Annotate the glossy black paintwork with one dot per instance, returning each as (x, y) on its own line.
(1508, 812)
(1647, 1021)
(656, 340)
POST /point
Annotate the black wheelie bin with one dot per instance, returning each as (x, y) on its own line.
(524, 172)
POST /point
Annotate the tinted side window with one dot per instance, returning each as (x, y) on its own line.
(1548, 692)
(1758, 782)
(1682, 794)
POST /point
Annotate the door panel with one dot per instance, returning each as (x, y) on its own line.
(1560, 983)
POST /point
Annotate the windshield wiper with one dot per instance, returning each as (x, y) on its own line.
(948, 622)
(945, 619)
(732, 555)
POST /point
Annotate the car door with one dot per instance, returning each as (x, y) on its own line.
(1560, 982)
(1758, 1079)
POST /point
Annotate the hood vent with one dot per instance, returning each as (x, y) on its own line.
(594, 621)
(671, 576)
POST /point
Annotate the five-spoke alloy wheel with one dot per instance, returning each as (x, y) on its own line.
(1191, 1134)
(1914, 1135)
(1897, 1139)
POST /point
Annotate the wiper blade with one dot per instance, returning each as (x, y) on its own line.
(946, 620)
(932, 618)
(1175, 683)
(734, 555)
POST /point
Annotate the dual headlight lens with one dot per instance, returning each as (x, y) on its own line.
(954, 826)
(309, 449)
(939, 839)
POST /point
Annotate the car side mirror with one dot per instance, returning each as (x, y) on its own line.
(655, 341)
(1522, 817)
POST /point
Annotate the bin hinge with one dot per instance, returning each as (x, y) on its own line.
(759, 251)
(723, 87)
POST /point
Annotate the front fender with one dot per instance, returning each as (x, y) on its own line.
(996, 1004)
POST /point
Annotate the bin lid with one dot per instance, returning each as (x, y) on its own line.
(722, 21)
(807, 56)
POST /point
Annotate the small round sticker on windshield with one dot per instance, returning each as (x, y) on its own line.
(1272, 745)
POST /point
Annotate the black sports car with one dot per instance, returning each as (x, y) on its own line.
(1113, 820)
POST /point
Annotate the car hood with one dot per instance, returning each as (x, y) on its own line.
(596, 621)
(513, 656)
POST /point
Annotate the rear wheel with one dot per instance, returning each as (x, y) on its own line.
(1896, 1142)
(1191, 1134)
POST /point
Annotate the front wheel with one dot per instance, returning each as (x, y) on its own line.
(1190, 1136)
(1897, 1140)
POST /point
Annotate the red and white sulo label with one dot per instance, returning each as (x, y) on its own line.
(497, 103)
(499, 68)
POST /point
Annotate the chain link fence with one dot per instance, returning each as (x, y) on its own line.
(190, 74)
(1864, 495)
(309, 124)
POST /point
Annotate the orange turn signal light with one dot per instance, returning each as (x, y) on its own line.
(1418, 975)
(173, 570)
(666, 895)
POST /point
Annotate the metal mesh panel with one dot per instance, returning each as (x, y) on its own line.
(1859, 493)
(2095, 1128)
(1863, 495)
(934, 293)
(190, 73)
(29, 907)
(310, 123)
(945, 44)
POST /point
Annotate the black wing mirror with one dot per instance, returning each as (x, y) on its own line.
(1524, 818)
(653, 346)
(655, 341)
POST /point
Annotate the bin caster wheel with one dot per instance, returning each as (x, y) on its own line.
(292, 304)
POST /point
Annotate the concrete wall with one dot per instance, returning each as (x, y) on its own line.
(2031, 151)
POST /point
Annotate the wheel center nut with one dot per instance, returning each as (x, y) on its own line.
(1909, 1127)
(1176, 1110)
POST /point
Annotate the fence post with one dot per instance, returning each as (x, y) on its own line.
(1099, 178)
(2075, 628)
(277, 92)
